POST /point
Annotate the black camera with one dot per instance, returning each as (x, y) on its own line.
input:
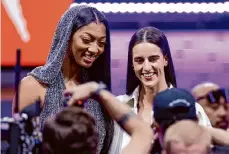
(21, 134)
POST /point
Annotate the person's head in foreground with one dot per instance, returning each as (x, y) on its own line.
(186, 137)
(215, 103)
(149, 61)
(173, 105)
(71, 131)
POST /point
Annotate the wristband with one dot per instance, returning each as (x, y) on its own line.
(122, 121)
(102, 86)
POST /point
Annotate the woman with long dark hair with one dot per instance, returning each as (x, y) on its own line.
(150, 70)
(80, 52)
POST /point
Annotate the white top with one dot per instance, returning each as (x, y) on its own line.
(121, 138)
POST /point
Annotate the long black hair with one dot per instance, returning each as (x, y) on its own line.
(100, 70)
(73, 19)
(51, 73)
(154, 36)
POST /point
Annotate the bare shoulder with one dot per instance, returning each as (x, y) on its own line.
(30, 81)
(32, 86)
(30, 90)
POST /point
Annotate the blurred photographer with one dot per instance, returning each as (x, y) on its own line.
(70, 134)
(176, 104)
(170, 106)
(173, 105)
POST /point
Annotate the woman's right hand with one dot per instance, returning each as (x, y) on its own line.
(81, 92)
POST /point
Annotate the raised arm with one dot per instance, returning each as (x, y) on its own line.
(141, 133)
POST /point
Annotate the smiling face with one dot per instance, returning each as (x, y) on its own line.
(88, 43)
(149, 63)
